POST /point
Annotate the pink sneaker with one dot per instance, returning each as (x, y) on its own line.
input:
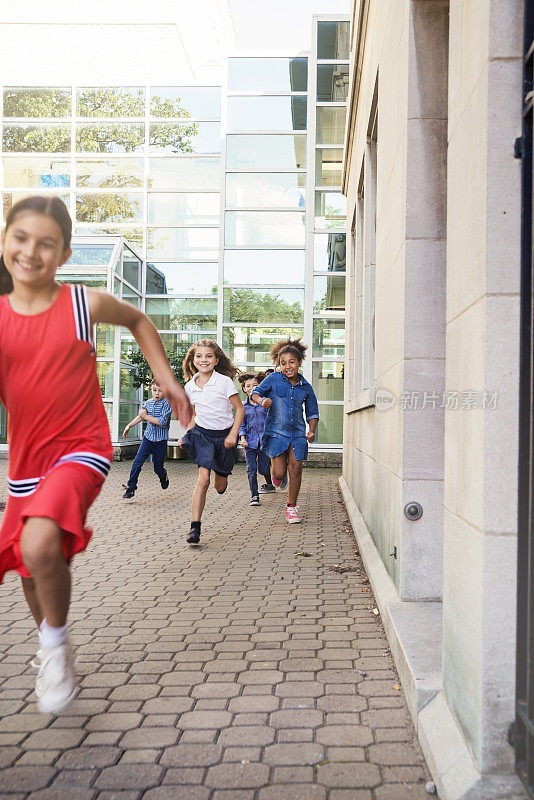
(275, 483)
(292, 514)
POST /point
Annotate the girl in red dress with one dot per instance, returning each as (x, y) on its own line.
(59, 442)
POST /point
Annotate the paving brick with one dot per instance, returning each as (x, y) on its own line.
(192, 755)
(297, 754)
(293, 791)
(65, 793)
(53, 739)
(26, 779)
(253, 703)
(296, 718)
(129, 776)
(355, 776)
(246, 735)
(338, 735)
(395, 753)
(295, 735)
(293, 775)
(216, 690)
(204, 719)
(114, 722)
(188, 776)
(150, 737)
(89, 757)
(148, 756)
(177, 793)
(406, 791)
(237, 776)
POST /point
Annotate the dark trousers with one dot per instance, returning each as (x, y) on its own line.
(147, 447)
(257, 461)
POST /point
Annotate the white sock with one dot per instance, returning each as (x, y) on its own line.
(52, 637)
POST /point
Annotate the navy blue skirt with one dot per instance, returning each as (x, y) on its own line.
(206, 448)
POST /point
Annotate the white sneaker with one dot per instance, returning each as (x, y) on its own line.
(292, 514)
(56, 683)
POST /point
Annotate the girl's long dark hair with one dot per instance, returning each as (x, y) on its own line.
(225, 366)
(50, 207)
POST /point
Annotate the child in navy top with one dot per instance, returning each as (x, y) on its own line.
(285, 440)
(250, 433)
(157, 413)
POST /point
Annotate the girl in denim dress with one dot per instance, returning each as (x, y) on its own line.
(285, 440)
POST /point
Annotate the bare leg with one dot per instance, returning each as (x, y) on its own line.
(199, 495)
(30, 593)
(279, 466)
(295, 477)
(220, 482)
(40, 546)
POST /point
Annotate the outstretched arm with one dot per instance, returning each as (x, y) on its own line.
(106, 308)
(135, 421)
(231, 439)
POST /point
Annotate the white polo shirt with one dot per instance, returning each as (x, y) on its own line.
(213, 409)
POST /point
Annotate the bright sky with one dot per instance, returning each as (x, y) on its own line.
(279, 24)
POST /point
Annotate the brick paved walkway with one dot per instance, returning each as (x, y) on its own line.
(246, 669)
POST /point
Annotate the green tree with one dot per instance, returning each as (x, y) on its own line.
(142, 374)
(249, 305)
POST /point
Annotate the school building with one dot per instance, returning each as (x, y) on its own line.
(207, 193)
(439, 299)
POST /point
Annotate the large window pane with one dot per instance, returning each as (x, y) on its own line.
(186, 313)
(107, 173)
(329, 252)
(330, 427)
(328, 166)
(51, 137)
(263, 305)
(251, 267)
(36, 173)
(333, 40)
(252, 345)
(127, 412)
(96, 255)
(199, 102)
(109, 207)
(29, 101)
(110, 137)
(186, 174)
(104, 370)
(265, 151)
(266, 190)
(131, 269)
(177, 344)
(327, 380)
(111, 101)
(127, 389)
(176, 244)
(195, 208)
(133, 236)
(94, 281)
(185, 137)
(330, 125)
(328, 294)
(328, 338)
(10, 198)
(267, 113)
(332, 82)
(265, 228)
(330, 210)
(105, 340)
(268, 74)
(182, 278)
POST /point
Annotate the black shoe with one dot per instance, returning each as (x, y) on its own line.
(164, 481)
(193, 537)
(255, 500)
(129, 493)
(267, 488)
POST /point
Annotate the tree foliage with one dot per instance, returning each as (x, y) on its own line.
(142, 374)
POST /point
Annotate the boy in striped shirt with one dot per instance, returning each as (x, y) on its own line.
(157, 413)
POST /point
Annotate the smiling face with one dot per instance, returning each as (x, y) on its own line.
(33, 249)
(289, 365)
(205, 360)
(249, 385)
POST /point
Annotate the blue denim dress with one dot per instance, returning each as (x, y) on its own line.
(285, 424)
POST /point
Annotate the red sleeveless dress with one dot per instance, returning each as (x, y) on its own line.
(59, 443)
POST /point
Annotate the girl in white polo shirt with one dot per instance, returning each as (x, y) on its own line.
(211, 437)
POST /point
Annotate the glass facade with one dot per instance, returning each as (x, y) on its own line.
(233, 211)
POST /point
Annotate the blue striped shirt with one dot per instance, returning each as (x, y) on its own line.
(162, 411)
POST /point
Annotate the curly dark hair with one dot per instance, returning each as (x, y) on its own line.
(224, 365)
(293, 346)
(246, 376)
